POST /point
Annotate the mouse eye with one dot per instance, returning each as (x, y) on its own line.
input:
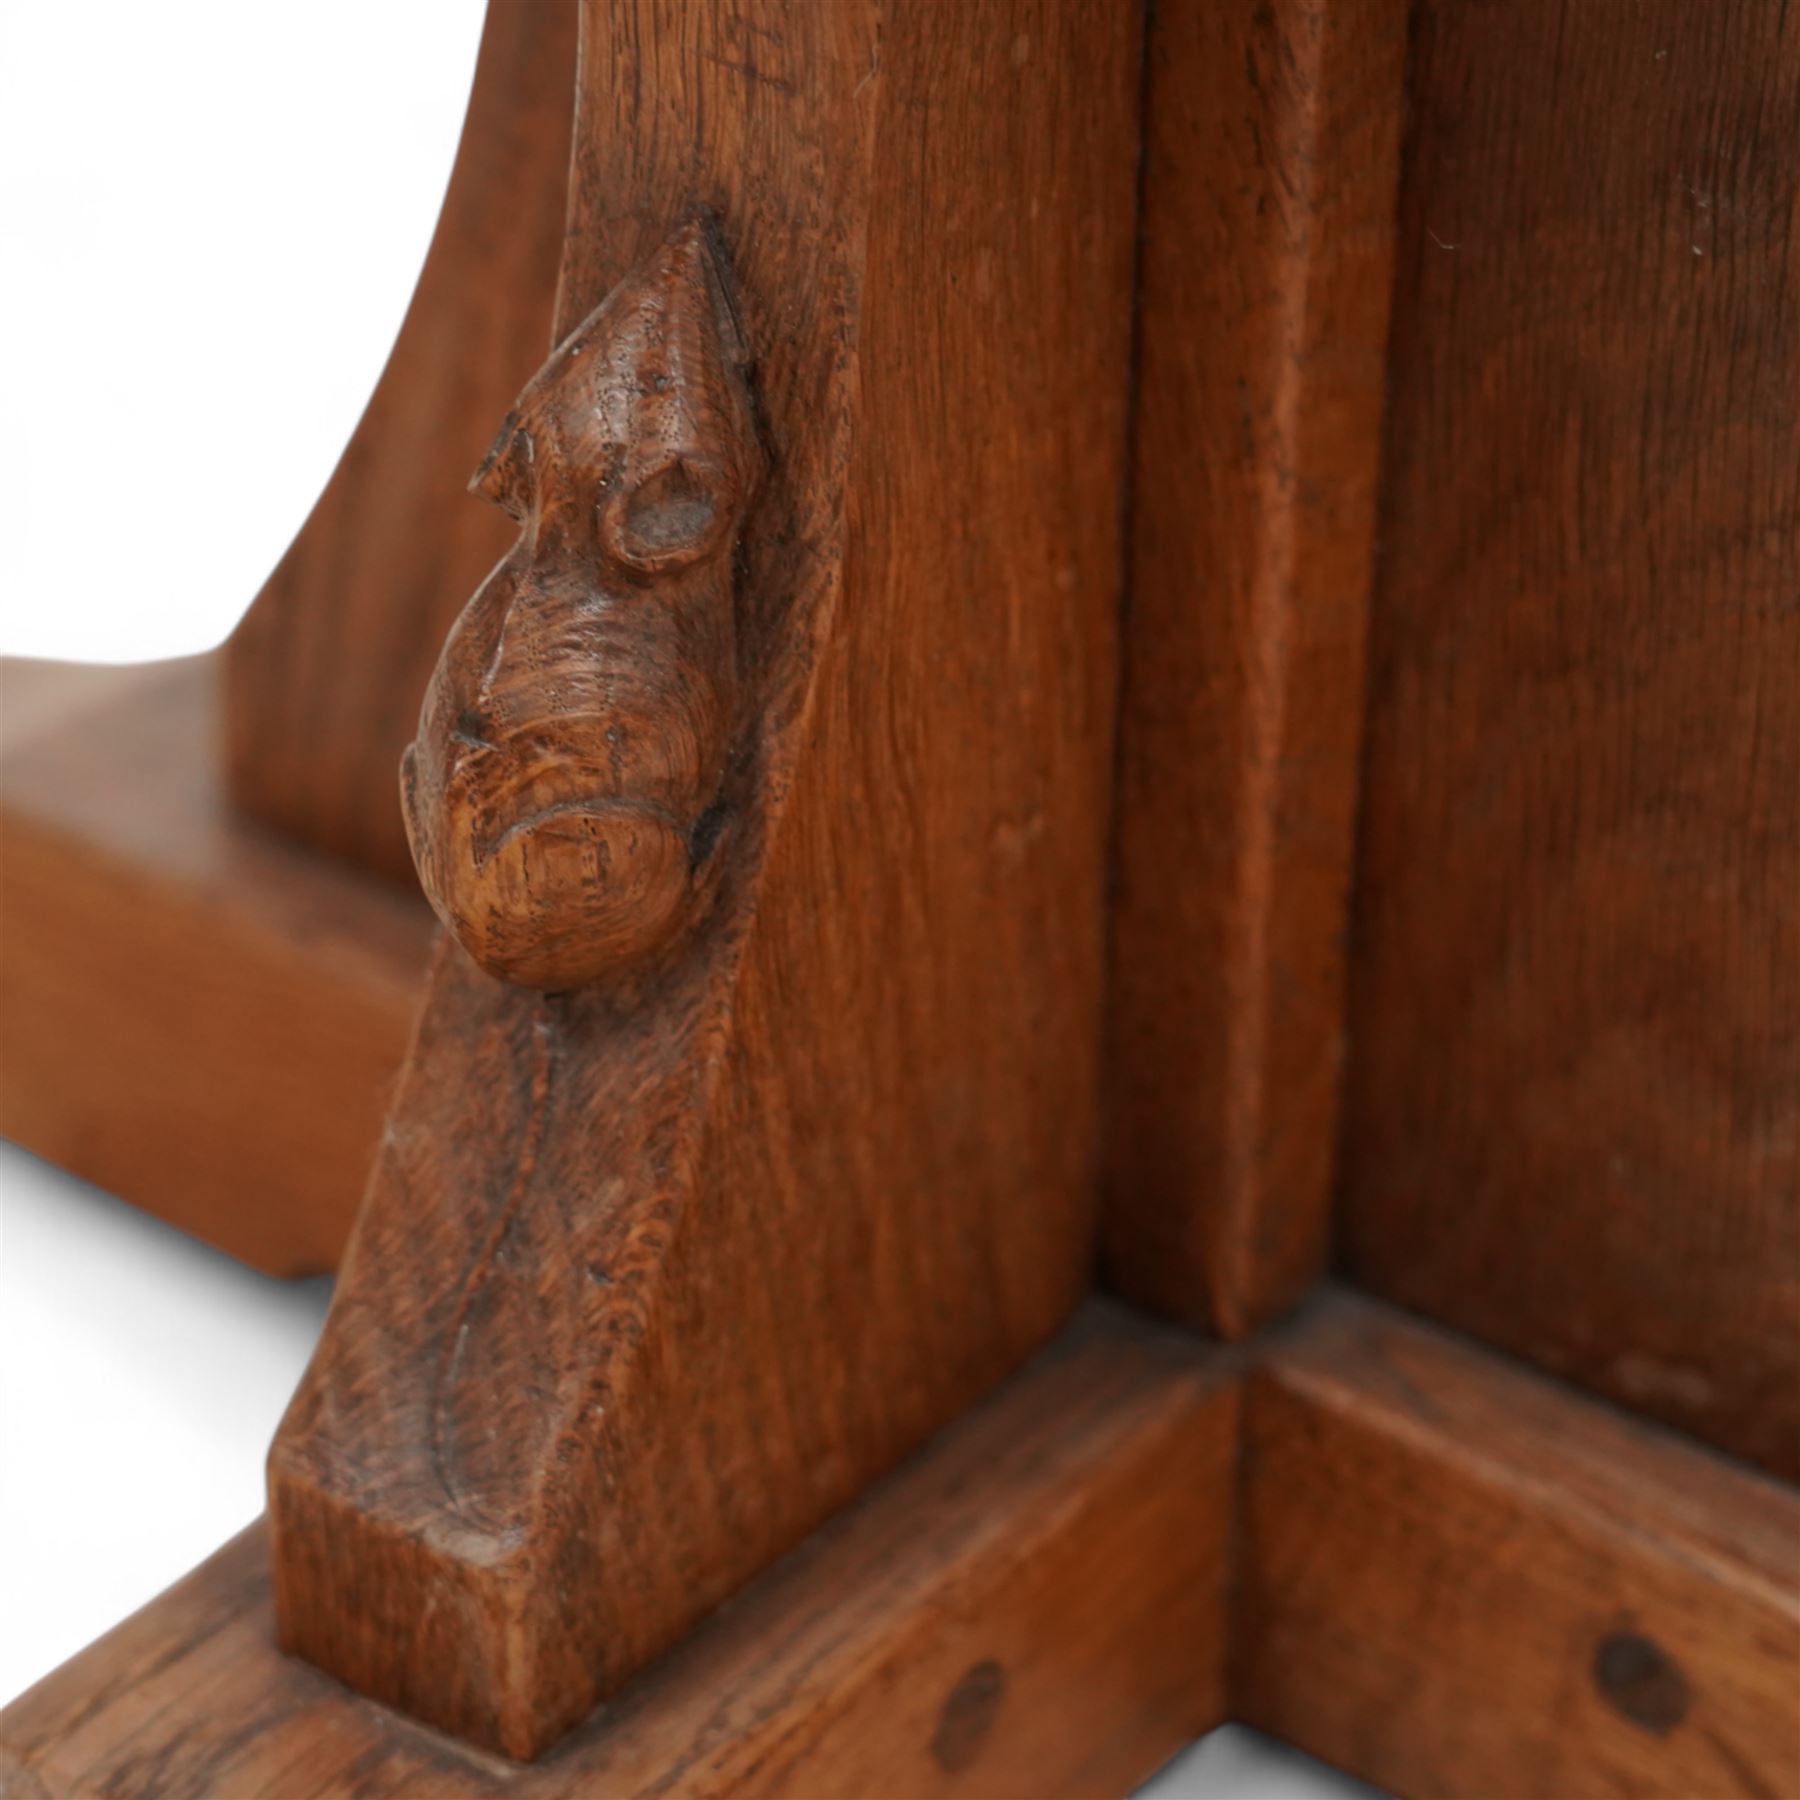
(671, 518)
(505, 473)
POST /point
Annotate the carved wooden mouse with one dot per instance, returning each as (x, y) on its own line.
(563, 794)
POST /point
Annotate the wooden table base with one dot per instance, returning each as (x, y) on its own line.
(194, 1013)
(1449, 1577)
(1034, 1606)
(781, 791)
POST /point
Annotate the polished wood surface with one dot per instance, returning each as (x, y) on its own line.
(193, 1013)
(1575, 1069)
(1032, 1607)
(1457, 1578)
(326, 672)
(1271, 162)
(750, 1216)
(768, 1105)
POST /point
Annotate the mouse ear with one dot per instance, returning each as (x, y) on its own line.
(671, 515)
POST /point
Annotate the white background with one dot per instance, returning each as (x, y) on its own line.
(211, 218)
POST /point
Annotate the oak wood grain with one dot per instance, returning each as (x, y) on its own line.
(1458, 1578)
(326, 671)
(656, 1274)
(1271, 166)
(1575, 1071)
(193, 1014)
(1033, 1607)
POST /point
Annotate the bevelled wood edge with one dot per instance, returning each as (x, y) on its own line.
(1033, 1606)
(194, 1015)
(1271, 167)
(1458, 1578)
